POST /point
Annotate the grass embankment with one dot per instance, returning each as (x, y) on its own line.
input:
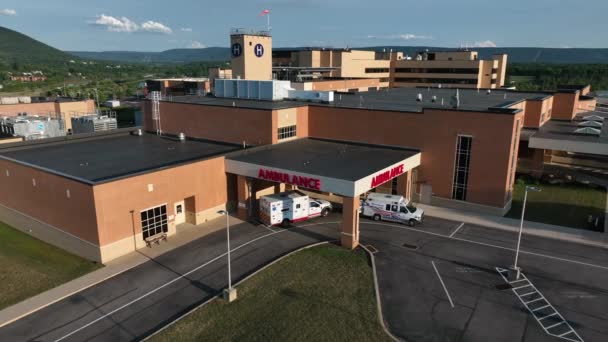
(320, 294)
(560, 204)
(29, 266)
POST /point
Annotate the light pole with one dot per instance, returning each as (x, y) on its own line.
(229, 293)
(521, 226)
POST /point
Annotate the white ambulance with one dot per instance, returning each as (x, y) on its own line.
(291, 206)
(391, 208)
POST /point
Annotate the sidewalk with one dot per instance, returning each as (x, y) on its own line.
(596, 239)
(186, 233)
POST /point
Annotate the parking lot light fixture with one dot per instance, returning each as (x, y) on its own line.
(229, 293)
(521, 226)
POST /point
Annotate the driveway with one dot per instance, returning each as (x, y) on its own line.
(138, 302)
(438, 282)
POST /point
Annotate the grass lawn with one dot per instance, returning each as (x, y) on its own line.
(560, 204)
(29, 266)
(321, 294)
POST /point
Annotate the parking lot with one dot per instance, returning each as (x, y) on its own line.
(439, 282)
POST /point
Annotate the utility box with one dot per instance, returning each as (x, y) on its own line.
(93, 123)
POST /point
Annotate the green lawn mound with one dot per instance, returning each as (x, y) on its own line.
(29, 266)
(568, 205)
(324, 293)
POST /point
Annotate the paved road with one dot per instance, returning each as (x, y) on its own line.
(416, 306)
(136, 303)
(410, 264)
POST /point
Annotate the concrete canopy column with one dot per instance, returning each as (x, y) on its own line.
(350, 222)
(404, 185)
(243, 186)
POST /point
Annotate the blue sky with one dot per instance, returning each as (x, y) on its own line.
(152, 25)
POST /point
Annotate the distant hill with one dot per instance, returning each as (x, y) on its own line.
(17, 47)
(210, 54)
(516, 54)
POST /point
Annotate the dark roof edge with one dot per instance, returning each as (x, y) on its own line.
(254, 149)
(67, 139)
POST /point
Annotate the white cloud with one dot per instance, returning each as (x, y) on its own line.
(155, 27)
(197, 45)
(400, 36)
(7, 11)
(485, 43)
(186, 29)
(124, 24)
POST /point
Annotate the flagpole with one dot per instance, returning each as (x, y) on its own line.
(268, 22)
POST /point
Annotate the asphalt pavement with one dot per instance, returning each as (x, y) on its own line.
(140, 301)
(439, 282)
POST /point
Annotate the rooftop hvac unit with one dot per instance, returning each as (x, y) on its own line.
(93, 123)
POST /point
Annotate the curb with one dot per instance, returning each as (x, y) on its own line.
(533, 230)
(219, 296)
(377, 290)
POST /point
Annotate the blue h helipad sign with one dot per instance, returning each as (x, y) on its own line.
(258, 50)
(237, 50)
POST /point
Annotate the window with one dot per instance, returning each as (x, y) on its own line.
(395, 208)
(435, 80)
(403, 210)
(154, 221)
(375, 70)
(179, 209)
(493, 81)
(494, 70)
(297, 206)
(474, 71)
(286, 132)
(514, 153)
(388, 207)
(461, 168)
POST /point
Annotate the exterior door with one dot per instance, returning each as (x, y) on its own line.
(180, 212)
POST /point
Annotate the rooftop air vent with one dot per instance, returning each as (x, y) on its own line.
(588, 130)
(419, 98)
(593, 118)
(593, 124)
(181, 137)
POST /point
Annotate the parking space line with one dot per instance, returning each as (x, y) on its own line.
(457, 229)
(490, 245)
(442, 284)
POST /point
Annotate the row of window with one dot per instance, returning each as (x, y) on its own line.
(474, 71)
(154, 221)
(461, 169)
(286, 132)
(376, 70)
(435, 80)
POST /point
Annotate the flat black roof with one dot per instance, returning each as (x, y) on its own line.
(230, 102)
(393, 99)
(565, 130)
(327, 158)
(406, 99)
(103, 158)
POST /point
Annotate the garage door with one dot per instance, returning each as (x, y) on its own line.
(154, 221)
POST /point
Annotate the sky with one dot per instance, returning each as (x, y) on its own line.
(153, 25)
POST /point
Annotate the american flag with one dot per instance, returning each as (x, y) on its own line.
(264, 12)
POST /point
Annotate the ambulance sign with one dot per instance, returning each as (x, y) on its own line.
(281, 177)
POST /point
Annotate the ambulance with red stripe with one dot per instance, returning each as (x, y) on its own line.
(291, 206)
(391, 208)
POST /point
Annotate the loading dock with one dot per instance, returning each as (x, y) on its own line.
(338, 168)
